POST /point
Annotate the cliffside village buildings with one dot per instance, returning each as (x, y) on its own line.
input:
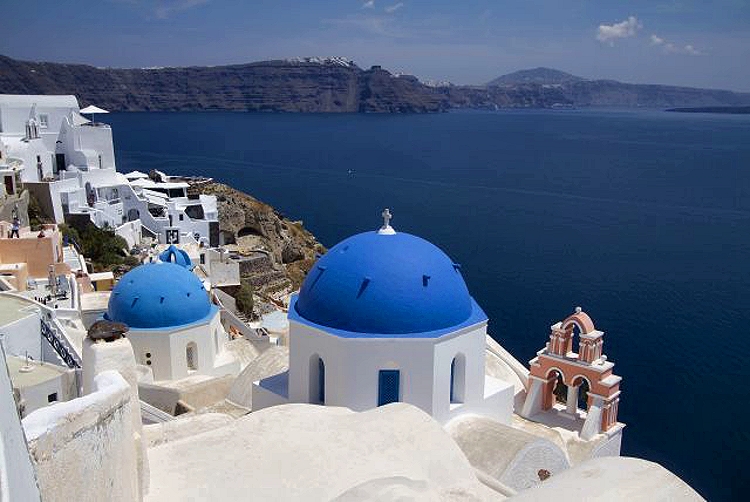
(381, 382)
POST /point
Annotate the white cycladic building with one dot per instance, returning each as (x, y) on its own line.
(68, 163)
(386, 317)
(49, 135)
(174, 329)
(39, 384)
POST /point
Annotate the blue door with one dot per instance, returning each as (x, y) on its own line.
(388, 386)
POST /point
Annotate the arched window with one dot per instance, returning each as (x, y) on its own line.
(191, 356)
(458, 378)
(389, 387)
(317, 380)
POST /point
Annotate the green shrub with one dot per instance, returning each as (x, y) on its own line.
(105, 249)
(244, 298)
(37, 217)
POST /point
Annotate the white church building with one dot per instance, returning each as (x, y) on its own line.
(175, 330)
(386, 316)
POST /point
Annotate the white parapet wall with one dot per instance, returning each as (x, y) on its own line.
(83, 449)
(117, 355)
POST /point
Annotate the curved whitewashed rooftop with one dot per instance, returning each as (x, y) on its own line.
(272, 361)
(307, 452)
(612, 479)
(509, 455)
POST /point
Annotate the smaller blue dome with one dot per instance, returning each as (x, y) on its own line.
(175, 255)
(158, 295)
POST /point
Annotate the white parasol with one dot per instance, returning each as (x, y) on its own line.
(92, 110)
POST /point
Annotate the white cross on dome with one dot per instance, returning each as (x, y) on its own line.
(386, 229)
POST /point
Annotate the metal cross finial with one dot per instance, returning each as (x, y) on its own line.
(387, 217)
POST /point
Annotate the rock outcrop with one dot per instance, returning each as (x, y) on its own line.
(275, 253)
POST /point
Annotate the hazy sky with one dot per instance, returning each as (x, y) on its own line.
(682, 42)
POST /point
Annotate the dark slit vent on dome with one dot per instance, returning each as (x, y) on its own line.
(321, 269)
(135, 300)
(425, 280)
(161, 299)
(363, 286)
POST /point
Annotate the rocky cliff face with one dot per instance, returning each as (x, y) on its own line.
(279, 86)
(276, 253)
(312, 85)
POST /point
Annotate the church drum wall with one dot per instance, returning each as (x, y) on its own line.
(353, 364)
(471, 344)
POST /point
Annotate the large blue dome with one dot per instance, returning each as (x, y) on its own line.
(158, 295)
(373, 283)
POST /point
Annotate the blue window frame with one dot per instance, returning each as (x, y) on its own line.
(388, 386)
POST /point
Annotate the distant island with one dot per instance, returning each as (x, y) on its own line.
(335, 85)
(732, 110)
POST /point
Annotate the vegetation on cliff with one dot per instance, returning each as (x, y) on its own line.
(107, 251)
(244, 298)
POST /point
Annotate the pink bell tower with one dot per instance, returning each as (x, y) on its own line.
(559, 362)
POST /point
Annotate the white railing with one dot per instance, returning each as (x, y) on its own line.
(60, 344)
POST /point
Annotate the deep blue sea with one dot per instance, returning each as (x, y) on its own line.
(640, 217)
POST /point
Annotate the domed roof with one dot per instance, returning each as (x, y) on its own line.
(386, 283)
(175, 255)
(158, 295)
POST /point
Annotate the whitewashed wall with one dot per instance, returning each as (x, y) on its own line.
(168, 349)
(470, 343)
(17, 476)
(83, 449)
(22, 336)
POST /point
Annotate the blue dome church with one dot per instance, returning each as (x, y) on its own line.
(174, 328)
(386, 316)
